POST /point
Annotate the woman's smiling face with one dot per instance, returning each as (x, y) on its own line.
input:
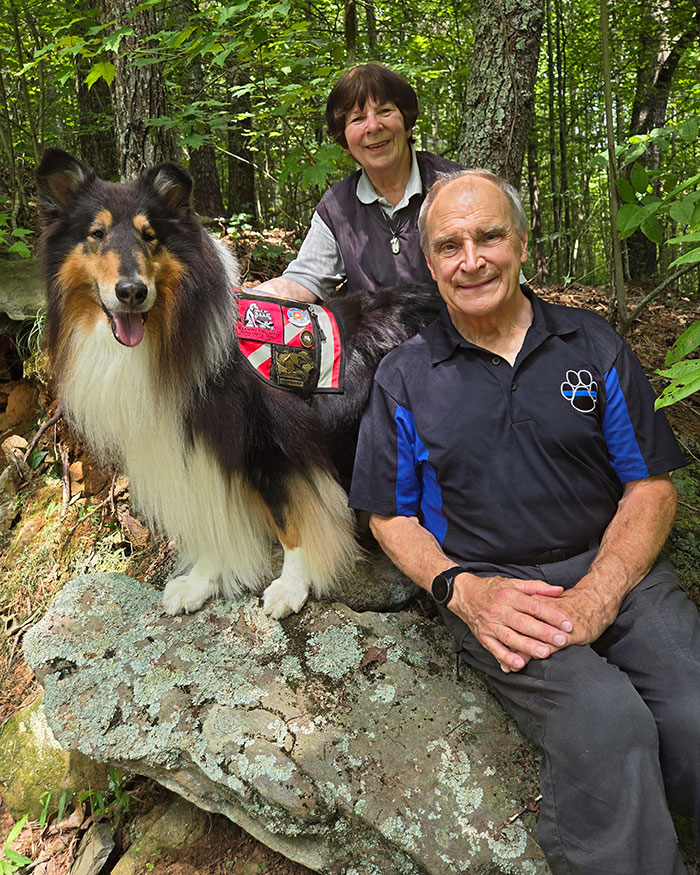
(376, 136)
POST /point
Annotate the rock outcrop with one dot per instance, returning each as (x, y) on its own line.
(342, 740)
(33, 763)
(22, 289)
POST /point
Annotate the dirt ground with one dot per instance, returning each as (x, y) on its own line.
(57, 535)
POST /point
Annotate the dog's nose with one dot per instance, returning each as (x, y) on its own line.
(131, 292)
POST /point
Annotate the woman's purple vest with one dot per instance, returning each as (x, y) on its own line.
(364, 235)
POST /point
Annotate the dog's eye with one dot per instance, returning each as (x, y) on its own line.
(147, 235)
(97, 233)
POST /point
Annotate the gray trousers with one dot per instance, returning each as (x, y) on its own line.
(618, 722)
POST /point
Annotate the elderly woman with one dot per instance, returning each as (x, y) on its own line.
(364, 229)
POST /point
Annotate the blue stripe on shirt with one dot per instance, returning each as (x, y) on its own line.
(618, 431)
(416, 481)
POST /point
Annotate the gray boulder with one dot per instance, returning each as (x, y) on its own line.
(22, 289)
(342, 740)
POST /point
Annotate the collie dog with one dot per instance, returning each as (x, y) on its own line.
(142, 316)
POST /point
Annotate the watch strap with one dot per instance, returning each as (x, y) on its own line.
(449, 574)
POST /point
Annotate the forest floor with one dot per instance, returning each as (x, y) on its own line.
(58, 534)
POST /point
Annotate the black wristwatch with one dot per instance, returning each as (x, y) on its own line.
(444, 583)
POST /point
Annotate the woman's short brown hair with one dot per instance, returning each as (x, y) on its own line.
(362, 83)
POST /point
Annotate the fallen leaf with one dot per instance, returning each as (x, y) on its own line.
(134, 530)
(374, 654)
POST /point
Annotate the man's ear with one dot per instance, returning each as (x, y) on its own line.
(430, 267)
(523, 254)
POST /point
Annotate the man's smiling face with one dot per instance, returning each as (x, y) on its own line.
(474, 252)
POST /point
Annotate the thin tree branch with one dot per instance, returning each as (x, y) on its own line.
(647, 299)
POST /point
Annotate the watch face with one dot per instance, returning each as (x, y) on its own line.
(441, 588)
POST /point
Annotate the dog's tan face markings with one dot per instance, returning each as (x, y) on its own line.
(161, 269)
(99, 262)
(168, 272)
(145, 231)
(80, 305)
(99, 229)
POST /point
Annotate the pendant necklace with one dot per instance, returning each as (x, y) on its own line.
(395, 231)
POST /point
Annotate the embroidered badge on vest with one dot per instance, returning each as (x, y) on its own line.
(291, 345)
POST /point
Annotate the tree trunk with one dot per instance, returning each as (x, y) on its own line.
(618, 295)
(138, 93)
(241, 172)
(205, 173)
(351, 30)
(536, 246)
(97, 144)
(371, 21)
(659, 55)
(499, 102)
(565, 229)
(553, 175)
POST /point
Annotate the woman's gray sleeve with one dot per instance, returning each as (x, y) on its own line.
(319, 265)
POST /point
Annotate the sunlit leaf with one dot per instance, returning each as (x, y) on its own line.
(113, 40)
(629, 218)
(103, 70)
(686, 238)
(695, 218)
(689, 130)
(681, 211)
(692, 257)
(686, 343)
(20, 248)
(686, 381)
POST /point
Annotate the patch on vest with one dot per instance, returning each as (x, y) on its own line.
(291, 345)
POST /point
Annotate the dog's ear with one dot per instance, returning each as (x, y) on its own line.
(58, 178)
(173, 185)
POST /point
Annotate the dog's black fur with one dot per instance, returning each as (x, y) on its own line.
(119, 255)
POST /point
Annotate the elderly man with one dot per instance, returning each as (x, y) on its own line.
(514, 467)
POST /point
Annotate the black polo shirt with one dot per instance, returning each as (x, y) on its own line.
(505, 462)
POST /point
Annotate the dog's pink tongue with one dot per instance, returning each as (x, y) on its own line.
(130, 328)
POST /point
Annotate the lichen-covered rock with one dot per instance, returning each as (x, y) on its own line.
(32, 763)
(342, 740)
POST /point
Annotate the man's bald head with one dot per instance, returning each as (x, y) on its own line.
(520, 223)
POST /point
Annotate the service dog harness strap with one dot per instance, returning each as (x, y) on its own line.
(290, 344)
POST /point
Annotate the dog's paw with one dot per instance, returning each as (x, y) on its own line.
(183, 595)
(284, 597)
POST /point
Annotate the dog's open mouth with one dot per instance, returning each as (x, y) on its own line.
(128, 328)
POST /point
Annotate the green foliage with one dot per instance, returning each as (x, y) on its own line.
(684, 373)
(13, 861)
(266, 70)
(677, 206)
(116, 804)
(12, 240)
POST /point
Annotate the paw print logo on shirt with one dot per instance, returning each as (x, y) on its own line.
(580, 390)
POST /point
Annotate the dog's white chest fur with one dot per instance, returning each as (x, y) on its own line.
(109, 394)
(221, 524)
